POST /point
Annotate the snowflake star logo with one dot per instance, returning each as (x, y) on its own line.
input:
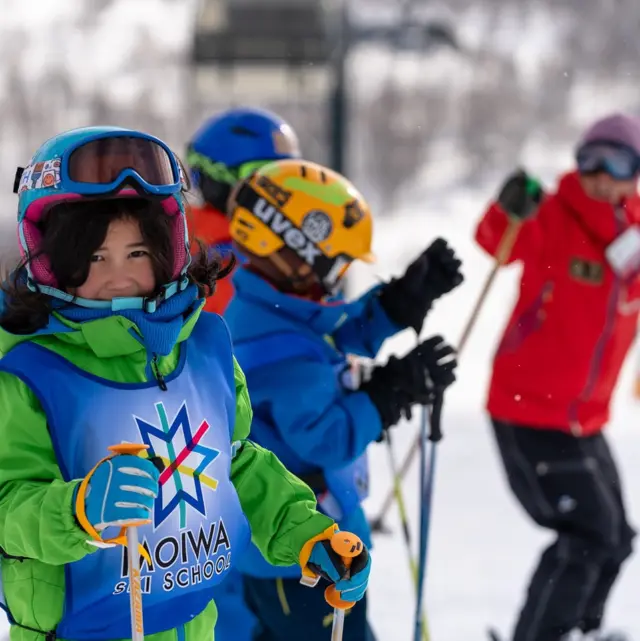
(185, 462)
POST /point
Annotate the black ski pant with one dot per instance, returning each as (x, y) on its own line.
(570, 485)
(287, 610)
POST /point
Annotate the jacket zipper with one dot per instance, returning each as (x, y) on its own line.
(598, 352)
(155, 368)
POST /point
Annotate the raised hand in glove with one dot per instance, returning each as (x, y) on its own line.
(406, 300)
(412, 380)
(520, 195)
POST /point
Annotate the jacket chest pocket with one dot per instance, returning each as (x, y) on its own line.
(586, 271)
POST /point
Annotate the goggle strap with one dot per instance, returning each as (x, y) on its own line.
(150, 305)
(17, 179)
(246, 197)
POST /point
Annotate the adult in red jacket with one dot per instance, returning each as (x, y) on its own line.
(226, 149)
(557, 365)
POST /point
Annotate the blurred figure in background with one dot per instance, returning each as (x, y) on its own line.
(557, 365)
(226, 149)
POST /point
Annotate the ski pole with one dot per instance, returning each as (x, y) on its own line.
(406, 531)
(347, 545)
(427, 476)
(135, 585)
(502, 254)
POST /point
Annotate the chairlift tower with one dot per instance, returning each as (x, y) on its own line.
(291, 56)
(269, 53)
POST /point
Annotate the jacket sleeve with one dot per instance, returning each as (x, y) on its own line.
(322, 424)
(366, 327)
(280, 508)
(244, 413)
(529, 241)
(36, 516)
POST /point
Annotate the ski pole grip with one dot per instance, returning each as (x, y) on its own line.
(347, 545)
(128, 448)
(436, 416)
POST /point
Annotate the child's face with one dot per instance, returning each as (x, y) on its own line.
(121, 267)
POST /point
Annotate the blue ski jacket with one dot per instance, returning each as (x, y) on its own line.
(297, 357)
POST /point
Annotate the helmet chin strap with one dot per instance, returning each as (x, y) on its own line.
(317, 289)
(149, 304)
(295, 277)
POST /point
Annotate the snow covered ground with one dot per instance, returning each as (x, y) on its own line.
(482, 548)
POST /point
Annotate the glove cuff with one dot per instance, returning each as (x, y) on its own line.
(309, 577)
(80, 502)
(382, 397)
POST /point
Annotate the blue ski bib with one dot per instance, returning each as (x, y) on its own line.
(349, 485)
(346, 487)
(198, 529)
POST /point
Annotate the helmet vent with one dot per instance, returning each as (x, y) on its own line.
(243, 131)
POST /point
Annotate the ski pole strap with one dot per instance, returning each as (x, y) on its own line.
(435, 433)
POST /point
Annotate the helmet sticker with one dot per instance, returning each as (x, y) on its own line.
(285, 142)
(352, 214)
(281, 196)
(41, 175)
(293, 237)
(317, 226)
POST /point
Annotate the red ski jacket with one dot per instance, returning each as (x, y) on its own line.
(574, 321)
(212, 227)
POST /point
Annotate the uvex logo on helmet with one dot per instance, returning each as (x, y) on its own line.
(302, 241)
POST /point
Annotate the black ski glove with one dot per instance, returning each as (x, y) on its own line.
(412, 380)
(406, 300)
(520, 195)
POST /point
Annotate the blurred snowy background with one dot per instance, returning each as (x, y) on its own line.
(433, 125)
(520, 81)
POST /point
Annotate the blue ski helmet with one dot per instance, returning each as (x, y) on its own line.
(232, 144)
(92, 163)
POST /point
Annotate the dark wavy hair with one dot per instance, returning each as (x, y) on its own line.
(71, 234)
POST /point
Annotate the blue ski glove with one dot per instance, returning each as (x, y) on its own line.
(318, 557)
(120, 491)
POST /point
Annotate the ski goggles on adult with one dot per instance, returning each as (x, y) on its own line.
(101, 165)
(619, 161)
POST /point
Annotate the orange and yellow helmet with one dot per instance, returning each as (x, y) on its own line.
(304, 207)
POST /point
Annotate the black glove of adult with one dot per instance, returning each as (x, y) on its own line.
(520, 195)
(406, 300)
(403, 382)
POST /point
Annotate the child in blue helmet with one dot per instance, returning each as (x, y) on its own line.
(103, 342)
(225, 149)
